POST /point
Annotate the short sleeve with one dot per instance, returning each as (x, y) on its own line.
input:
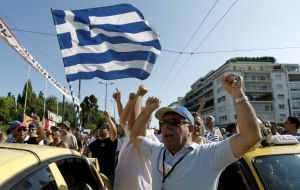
(221, 153)
(148, 147)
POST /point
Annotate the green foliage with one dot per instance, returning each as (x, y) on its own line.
(8, 108)
(253, 59)
(11, 109)
(89, 113)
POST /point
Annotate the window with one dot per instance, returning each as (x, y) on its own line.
(280, 96)
(267, 108)
(282, 117)
(296, 114)
(78, 174)
(296, 105)
(223, 98)
(234, 177)
(281, 106)
(295, 95)
(40, 180)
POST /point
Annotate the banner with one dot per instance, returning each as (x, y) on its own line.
(8, 36)
(53, 117)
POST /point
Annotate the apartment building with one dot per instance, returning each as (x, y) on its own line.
(272, 88)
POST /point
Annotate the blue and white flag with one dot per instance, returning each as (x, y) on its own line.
(106, 42)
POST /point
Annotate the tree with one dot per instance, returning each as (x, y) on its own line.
(31, 99)
(89, 113)
(40, 104)
(8, 109)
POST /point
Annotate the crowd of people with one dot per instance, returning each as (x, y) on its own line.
(187, 150)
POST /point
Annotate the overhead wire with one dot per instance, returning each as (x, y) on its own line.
(182, 52)
(201, 42)
(185, 46)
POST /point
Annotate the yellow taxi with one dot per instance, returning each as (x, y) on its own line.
(270, 168)
(36, 167)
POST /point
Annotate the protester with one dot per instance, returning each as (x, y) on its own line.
(49, 137)
(11, 132)
(21, 133)
(56, 135)
(129, 159)
(179, 163)
(104, 147)
(230, 130)
(79, 139)
(212, 133)
(36, 132)
(67, 136)
(291, 126)
(273, 128)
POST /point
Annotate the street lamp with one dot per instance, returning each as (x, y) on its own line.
(106, 84)
(114, 108)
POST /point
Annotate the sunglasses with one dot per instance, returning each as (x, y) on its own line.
(19, 130)
(31, 129)
(173, 122)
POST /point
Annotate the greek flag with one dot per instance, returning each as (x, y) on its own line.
(107, 42)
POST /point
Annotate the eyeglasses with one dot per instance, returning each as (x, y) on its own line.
(19, 130)
(31, 129)
(173, 122)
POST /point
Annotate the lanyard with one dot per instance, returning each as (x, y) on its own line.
(164, 157)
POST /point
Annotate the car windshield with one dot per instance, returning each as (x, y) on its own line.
(279, 171)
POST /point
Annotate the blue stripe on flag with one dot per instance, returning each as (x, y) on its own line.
(110, 55)
(128, 28)
(120, 27)
(128, 73)
(84, 41)
(84, 14)
(65, 40)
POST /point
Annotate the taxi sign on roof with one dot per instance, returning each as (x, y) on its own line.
(284, 139)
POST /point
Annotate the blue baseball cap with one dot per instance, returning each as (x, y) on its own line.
(14, 123)
(181, 110)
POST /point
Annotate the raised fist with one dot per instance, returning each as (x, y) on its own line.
(152, 103)
(142, 90)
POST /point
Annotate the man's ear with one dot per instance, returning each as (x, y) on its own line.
(191, 128)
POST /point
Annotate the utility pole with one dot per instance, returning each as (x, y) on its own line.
(106, 84)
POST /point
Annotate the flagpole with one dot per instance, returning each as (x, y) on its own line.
(25, 103)
(44, 111)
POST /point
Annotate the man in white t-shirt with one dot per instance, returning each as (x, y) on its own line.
(133, 170)
(179, 163)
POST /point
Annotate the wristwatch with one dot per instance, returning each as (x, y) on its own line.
(241, 99)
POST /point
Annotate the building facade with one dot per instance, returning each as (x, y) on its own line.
(272, 88)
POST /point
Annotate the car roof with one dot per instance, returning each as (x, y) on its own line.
(272, 150)
(16, 158)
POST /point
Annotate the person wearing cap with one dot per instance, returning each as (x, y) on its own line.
(11, 132)
(104, 147)
(56, 136)
(67, 136)
(35, 132)
(140, 177)
(21, 133)
(179, 163)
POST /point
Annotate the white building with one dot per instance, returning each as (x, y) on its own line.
(272, 88)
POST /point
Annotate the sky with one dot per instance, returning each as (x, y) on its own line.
(272, 25)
